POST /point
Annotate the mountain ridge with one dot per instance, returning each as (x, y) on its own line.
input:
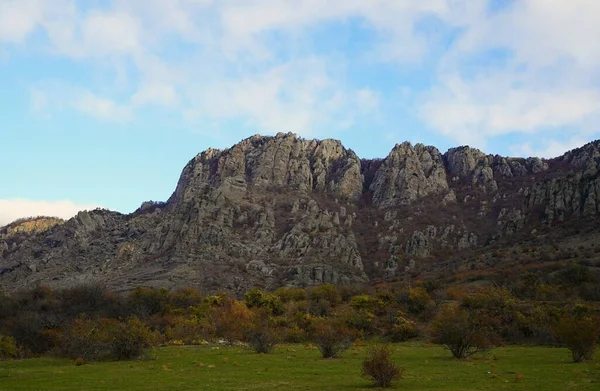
(283, 210)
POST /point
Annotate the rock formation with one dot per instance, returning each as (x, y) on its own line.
(283, 210)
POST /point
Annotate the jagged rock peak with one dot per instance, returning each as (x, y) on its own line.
(407, 174)
(281, 161)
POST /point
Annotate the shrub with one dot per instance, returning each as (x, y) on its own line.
(256, 298)
(30, 331)
(380, 367)
(402, 329)
(131, 340)
(360, 320)
(188, 329)
(365, 302)
(579, 333)
(326, 292)
(230, 319)
(260, 333)
(331, 337)
(102, 339)
(291, 294)
(79, 362)
(88, 339)
(8, 348)
(461, 332)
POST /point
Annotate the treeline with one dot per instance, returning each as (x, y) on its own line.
(90, 323)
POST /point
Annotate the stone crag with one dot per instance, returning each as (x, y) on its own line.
(283, 210)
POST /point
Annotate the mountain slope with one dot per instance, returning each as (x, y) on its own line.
(283, 210)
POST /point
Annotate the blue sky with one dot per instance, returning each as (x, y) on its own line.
(104, 101)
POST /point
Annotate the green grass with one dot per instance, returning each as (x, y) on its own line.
(298, 367)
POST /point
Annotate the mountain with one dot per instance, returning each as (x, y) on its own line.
(284, 210)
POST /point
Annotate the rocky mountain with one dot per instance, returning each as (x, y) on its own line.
(283, 210)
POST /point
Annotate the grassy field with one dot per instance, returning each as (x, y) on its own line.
(298, 367)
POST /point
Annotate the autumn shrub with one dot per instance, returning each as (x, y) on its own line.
(366, 303)
(102, 339)
(30, 331)
(319, 307)
(257, 298)
(402, 329)
(327, 292)
(8, 348)
(379, 366)
(88, 339)
(332, 337)
(144, 302)
(294, 335)
(188, 329)
(185, 298)
(579, 333)
(362, 320)
(230, 318)
(287, 295)
(416, 300)
(461, 332)
(132, 339)
(261, 333)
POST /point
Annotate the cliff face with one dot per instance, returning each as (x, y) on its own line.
(282, 210)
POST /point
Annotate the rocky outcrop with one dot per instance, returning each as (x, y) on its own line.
(408, 174)
(283, 210)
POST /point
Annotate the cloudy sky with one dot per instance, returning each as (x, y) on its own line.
(102, 102)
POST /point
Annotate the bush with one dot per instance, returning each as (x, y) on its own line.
(260, 334)
(402, 329)
(256, 298)
(380, 367)
(331, 337)
(88, 339)
(8, 348)
(579, 333)
(102, 339)
(461, 332)
(132, 339)
(230, 319)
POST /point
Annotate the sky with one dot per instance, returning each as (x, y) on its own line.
(103, 102)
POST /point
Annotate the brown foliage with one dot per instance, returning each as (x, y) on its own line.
(461, 332)
(332, 337)
(579, 333)
(380, 367)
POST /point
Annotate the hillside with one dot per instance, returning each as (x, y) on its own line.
(283, 210)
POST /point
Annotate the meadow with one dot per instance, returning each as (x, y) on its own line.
(300, 367)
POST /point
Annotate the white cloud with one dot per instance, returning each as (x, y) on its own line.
(19, 18)
(39, 101)
(158, 94)
(471, 111)
(298, 96)
(13, 209)
(544, 76)
(101, 108)
(547, 148)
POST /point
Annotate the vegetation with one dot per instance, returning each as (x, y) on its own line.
(380, 367)
(93, 324)
(8, 348)
(332, 338)
(458, 332)
(579, 332)
(298, 367)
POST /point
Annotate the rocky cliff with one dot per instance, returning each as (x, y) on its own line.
(283, 210)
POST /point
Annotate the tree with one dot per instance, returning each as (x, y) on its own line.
(461, 332)
(579, 333)
(331, 337)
